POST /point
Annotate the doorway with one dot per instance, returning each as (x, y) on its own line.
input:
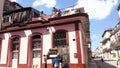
(60, 42)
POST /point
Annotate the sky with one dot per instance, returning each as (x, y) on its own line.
(103, 14)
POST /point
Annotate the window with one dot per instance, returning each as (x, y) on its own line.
(36, 15)
(60, 39)
(5, 19)
(36, 41)
(114, 55)
(15, 47)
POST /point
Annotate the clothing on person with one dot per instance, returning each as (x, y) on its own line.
(56, 12)
(56, 62)
(118, 61)
(102, 60)
(55, 9)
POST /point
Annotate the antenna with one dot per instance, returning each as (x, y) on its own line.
(71, 6)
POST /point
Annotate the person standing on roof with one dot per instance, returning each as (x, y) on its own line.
(56, 12)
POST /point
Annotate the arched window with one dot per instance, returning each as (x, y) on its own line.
(60, 39)
(36, 46)
(15, 47)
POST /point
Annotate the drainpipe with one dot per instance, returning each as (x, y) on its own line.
(45, 61)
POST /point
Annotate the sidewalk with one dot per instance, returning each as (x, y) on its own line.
(92, 64)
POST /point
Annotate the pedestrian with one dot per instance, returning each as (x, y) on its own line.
(56, 62)
(102, 60)
(61, 61)
(118, 61)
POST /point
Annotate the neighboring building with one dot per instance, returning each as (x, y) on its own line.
(111, 42)
(1, 11)
(27, 35)
(115, 41)
(106, 44)
(98, 52)
(11, 6)
(119, 11)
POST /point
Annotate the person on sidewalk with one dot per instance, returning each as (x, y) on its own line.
(118, 61)
(56, 61)
(102, 60)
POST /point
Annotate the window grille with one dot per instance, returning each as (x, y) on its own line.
(60, 39)
(36, 41)
(15, 47)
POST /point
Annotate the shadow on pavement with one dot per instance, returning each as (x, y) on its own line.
(103, 64)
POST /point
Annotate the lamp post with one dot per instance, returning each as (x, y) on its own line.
(45, 60)
(89, 50)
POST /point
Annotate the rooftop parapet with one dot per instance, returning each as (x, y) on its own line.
(68, 12)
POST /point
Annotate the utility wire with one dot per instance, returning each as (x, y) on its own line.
(71, 6)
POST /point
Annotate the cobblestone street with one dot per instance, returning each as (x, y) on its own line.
(97, 63)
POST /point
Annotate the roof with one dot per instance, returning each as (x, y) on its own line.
(18, 10)
(107, 30)
(11, 6)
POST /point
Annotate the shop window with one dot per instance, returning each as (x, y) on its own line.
(60, 39)
(36, 41)
(15, 47)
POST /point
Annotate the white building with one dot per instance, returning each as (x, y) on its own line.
(111, 42)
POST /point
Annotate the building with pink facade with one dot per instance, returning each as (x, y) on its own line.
(28, 35)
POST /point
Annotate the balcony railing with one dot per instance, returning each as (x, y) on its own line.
(115, 44)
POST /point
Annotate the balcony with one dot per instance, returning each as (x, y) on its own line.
(20, 17)
(104, 50)
(104, 40)
(115, 44)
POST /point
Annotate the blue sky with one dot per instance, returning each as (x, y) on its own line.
(102, 13)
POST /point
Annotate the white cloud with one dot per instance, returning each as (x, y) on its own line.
(97, 9)
(13, 0)
(47, 3)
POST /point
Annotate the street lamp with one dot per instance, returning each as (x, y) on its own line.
(45, 60)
